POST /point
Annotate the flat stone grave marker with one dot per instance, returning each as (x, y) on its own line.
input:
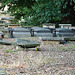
(27, 43)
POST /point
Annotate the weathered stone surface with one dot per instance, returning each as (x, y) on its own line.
(27, 27)
(21, 34)
(51, 38)
(27, 43)
(67, 26)
(35, 28)
(69, 38)
(58, 38)
(20, 29)
(4, 30)
(40, 32)
(5, 42)
(1, 27)
(51, 29)
(49, 25)
(64, 32)
(10, 32)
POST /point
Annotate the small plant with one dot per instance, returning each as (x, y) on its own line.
(6, 25)
(72, 46)
(9, 51)
(13, 43)
(63, 48)
(51, 49)
(36, 49)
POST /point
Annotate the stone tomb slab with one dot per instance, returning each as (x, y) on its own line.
(64, 32)
(4, 30)
(27, 43)
(69, 38)
(5, 42)
(40, 32)
(19, 32)
(51, 38)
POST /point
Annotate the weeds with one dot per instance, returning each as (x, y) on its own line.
(8, 51)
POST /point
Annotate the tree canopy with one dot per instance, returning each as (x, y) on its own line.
(41, 11)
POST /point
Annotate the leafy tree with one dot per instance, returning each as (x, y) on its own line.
(68, 10)
(41, 11)
(45, 11)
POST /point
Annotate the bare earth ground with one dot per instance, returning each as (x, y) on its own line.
(51, 59)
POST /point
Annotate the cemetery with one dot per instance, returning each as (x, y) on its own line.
(34, 40)
(37, 37)
(15, 39)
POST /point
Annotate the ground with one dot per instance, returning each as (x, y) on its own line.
(51, 59)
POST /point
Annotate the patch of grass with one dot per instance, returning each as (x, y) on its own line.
(50, 59)
(72, 46)
(63, 48)
(26, 58)
(13, 43)
(52, 49)
(9, 51)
